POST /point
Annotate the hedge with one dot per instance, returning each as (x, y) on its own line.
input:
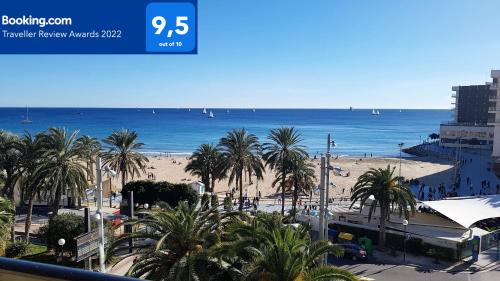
(16, 249)
(154, 192)
(395, 241)
(67, 226)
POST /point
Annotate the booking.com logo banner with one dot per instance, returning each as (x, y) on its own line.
(98, 27)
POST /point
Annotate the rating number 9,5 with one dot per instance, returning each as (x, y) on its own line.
(160, 23)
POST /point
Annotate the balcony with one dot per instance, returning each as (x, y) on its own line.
(493, 109)
(13, 269)
(492, 122)
(494, 86)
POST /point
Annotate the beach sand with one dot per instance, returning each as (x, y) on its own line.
(431, 171)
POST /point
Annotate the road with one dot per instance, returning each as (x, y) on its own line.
(407, 273)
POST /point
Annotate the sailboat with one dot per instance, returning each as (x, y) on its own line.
(154, 111)
(350, 108)
(253, 110)
(374, 112)
(211, 115)
(204, 111)
(378, 112)
(27, 118)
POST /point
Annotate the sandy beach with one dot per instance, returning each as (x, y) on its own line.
(431, 171)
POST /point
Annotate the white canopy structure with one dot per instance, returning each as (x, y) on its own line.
(467, 210)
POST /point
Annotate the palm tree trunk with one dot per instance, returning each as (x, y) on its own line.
(283, 193)
(29, 214)
(57, 201)
(206, 182)
(241, 191)
(9, 184)
(381, 233)
(294, 203)
(213, 183)
(123, 181)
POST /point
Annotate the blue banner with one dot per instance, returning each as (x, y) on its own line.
(98, 27)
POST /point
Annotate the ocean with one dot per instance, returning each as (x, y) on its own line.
(180, 131)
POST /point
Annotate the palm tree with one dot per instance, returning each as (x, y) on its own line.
(264, 249)
(206, 164)
(180, 242)
(62, 166)
(30, 157)
(9, 156)
(89, 148)
(387, 194)
(123, 154)
(280, 153)
(302, 178)
(9, 160)
(7, 212)
(240, 151)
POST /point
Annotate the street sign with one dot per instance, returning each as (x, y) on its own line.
(87, 245)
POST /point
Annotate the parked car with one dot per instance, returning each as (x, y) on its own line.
(354, 252)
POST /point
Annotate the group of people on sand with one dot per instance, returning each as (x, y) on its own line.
(151, 176)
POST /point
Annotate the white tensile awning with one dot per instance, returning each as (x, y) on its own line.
(467, 210)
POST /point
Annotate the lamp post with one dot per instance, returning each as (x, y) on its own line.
(330, 143)
(322, 204)
(400, 160)
(61, 243)
(99, 214)
(405, 223)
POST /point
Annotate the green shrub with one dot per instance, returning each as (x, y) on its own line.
(228, 204)
(204, 199)
(16, 249)
(67, 226)
(153, 192)
(214, 200)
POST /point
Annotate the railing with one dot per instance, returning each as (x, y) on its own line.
(14, 269)
(490, 240)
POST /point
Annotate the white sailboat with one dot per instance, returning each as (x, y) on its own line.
(154, 111)
(211, 115)
(204, 111)
(27, 117)
(378, 112)
(253, 110)
(374, 112)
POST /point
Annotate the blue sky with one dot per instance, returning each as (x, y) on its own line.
(283, 53)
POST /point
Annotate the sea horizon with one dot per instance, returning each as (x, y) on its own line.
(180, 131)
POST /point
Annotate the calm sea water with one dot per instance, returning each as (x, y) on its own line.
(181, 131)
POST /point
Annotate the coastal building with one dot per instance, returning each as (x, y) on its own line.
(494, 120)
(470, 127)
(450, 223)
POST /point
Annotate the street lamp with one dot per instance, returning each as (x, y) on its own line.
(99, 214)
(61, 243)
(405, 223)
(111, 174)
(146, 206)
